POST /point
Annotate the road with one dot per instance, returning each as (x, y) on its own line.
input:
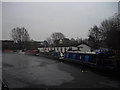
(28, 71)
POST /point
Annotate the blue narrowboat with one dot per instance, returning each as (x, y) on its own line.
(101, 60)
(81, 57)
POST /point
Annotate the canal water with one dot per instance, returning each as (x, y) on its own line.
(27, 71)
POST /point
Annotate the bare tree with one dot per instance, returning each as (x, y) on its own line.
(57, 36)
(79, 40)
(72, 39)
(20, 36)
(108, 25)
(94, 37)
(110, 29)
(49, 40)
(54, 37)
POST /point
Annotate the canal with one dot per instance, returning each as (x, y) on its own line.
(29, 71)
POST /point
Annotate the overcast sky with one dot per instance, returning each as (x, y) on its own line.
(73, 19)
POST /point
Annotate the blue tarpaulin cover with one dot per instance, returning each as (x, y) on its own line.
(73, 56)
(86, 58)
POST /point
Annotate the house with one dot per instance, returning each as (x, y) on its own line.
(84, 48)
(81, 48)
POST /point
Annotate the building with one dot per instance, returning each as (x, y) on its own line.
(11, 45)
(84, 48)
(81, 48)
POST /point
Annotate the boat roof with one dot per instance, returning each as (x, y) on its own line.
(81, 52)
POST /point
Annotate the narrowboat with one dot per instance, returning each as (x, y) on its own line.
(98, 60)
